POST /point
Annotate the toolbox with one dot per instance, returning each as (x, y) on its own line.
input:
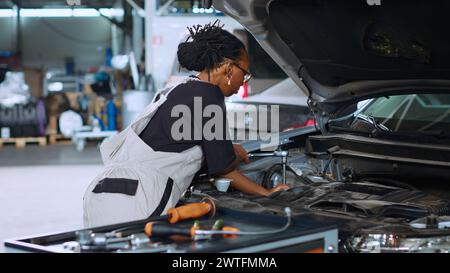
(306, 233)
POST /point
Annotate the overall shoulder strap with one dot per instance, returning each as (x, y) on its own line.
(159, 98)
(111, 146)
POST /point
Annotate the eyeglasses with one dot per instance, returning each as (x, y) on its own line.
(247, 75)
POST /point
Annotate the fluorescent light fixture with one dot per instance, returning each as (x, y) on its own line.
(112, 12)
(107, 12)
(46, 12)
(85, 13)
(65, 12)
(7, 13)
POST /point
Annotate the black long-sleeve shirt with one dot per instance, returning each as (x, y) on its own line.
(218, 153)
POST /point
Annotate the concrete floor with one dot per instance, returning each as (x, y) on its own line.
(41, 188)
(58, 154)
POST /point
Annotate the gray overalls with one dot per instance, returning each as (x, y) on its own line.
(137, 181)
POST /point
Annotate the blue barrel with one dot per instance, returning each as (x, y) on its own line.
(111, 112)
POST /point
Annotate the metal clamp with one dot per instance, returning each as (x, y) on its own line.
(283, 154)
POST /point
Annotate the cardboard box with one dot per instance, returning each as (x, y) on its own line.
(52, 127)
(73, 99)
(35, 79)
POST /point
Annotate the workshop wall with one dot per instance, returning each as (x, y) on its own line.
(8, 37)
(84, 38)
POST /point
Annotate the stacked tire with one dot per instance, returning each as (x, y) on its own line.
(24, 120)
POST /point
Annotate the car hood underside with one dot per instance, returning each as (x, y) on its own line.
(340, 51)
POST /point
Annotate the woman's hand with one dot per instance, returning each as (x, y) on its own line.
(245, 184)
(281, 187)
(241, 153)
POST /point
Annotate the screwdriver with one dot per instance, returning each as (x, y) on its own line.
(158, 229)
(163, 229)
(174, 215)
(190, 211)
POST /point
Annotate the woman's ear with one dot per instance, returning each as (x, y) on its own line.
(221, 69)
(229, 69)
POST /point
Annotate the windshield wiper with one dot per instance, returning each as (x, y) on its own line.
(379, 127)
(440, 137)
(380, 130)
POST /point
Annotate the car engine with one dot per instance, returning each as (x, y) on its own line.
(374, 206)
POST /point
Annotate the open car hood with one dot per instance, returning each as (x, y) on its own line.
(344, 51)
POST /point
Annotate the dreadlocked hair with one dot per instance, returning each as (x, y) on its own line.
(209, 46)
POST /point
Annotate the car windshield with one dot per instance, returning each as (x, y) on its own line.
(411, 116)
(410, 113)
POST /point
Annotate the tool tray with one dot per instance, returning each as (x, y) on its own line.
(307, 233)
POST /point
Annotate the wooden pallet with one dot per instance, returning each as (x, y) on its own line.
(58, 138)
(21, 142)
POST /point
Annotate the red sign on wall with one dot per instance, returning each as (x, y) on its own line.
(157, 40)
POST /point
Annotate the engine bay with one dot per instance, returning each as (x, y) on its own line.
(383, 204)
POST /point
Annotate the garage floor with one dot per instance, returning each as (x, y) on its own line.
(41, 188)
(58, 154)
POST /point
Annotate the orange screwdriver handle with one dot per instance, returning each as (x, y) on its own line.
(190, 211)
(231, 236)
